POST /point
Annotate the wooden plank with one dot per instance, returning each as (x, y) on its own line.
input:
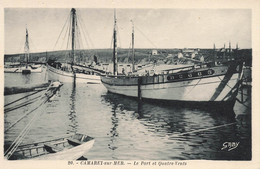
(74, 142)
(56, 140)
(51, 148)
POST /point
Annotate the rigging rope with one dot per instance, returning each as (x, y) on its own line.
(82, 27)
(84, 35)
(69, 32)
(85, 29)
(22, 46)
(119, 42)
(64, 36)
(128, 53)
(111, 44)
(31, 42)
(78, 37)
(145, 36)
(61, 31)
(193, 87)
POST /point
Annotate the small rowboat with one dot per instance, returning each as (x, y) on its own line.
(70, 147)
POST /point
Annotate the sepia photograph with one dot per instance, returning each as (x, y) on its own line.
(127, 86)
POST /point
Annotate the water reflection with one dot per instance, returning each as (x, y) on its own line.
(167, 125)
(73, 126)
(27, 78)
(126, 129)
(174, 119)
(124, 103)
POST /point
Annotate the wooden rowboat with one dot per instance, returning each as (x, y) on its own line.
(70, 147)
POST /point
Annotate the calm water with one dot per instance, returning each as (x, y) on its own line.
(124, 129)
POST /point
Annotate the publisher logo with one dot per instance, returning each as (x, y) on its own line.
(230, 146)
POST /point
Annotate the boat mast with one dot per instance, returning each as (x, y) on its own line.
(133, 50)
(73, 14)
(115, 47)
(215, 54)
(230, 54)
(26, 48)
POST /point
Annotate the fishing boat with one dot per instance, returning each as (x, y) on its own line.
(24, 68)
(200, 84)
(68, 72)
(69, 147)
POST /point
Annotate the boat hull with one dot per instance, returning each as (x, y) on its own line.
(68, 77)
(70, 154)
(220, 84)
(22, 69)
(70, 147)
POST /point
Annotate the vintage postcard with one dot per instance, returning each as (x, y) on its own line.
(161, 84)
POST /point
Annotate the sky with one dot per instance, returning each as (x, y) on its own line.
(154, 28)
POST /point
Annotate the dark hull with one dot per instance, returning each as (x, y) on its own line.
(214, 106)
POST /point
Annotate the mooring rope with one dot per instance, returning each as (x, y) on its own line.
(44, 101)
(13, 124)
(19, 139)
(200, 130)
(18, 106)
(23, 98)
(48, 94)
(21, 104)
(193, 87)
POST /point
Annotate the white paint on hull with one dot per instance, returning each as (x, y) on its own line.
(20, 69)
(70, 154)
(191, 90)
(62, 76)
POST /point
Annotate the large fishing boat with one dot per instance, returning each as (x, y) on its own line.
(68, 72)
(24, 68)
(205, 83)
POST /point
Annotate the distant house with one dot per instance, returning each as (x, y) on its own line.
(170, 56)
(154, 52)
(193, 55)
(180, 55)
(190, 52)
(202, 59)
(224, 54)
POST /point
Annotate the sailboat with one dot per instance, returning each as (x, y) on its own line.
(199, 84)
(71, 71)
(24, 68)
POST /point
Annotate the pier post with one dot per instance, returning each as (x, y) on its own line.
(242, 93)
(139, 88)
(140, 109)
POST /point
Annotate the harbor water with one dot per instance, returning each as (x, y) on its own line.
(127, 130)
